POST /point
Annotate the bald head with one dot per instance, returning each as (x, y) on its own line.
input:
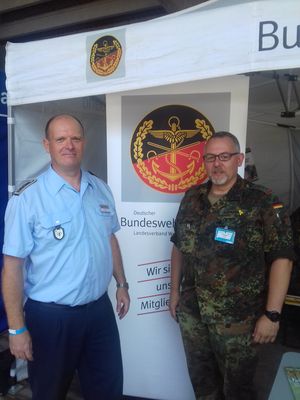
(58, 117)
(228, 135)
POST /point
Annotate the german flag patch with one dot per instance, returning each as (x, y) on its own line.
(277, 205)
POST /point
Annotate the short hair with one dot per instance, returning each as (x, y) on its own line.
(224, 134)
(47, 127)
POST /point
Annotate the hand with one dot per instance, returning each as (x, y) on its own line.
(21, 346)
(265, 330)
(123, 301)
(173, 304)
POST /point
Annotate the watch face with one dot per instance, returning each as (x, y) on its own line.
(274, 316)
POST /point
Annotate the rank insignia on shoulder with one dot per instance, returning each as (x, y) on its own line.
(92, 173)
(262, 188)
(23, 187)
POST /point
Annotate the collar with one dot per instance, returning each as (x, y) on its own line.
(55, 182)
(87, 178)
(234, 194)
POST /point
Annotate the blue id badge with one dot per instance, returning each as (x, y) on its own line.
(225, 235)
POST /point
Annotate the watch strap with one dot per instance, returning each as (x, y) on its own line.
(123, 285)
(273, 316)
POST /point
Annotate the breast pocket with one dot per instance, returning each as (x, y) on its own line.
(104, 221)
(248, 230)
(55, 226)
(187, 236)
(254, 233)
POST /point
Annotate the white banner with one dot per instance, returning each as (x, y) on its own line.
(217, 38)
(153, 354)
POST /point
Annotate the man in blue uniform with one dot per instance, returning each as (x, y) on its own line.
(227, 232)
(59, 241)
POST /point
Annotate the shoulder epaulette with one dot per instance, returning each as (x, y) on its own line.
(23, 187)
(261, 188)
(92, 173)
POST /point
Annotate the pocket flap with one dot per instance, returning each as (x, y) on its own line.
(49, 221)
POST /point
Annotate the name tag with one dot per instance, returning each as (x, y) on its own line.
(104, 208)
(225, 235)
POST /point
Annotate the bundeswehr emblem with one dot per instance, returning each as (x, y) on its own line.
(58, 232)
(105, 56)
(167, 148)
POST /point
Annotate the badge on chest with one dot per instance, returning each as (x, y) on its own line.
(58, 232)
(225, 235)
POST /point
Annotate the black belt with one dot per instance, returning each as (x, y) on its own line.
(66, 306)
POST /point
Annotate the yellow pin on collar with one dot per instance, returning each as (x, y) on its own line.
(241, 212)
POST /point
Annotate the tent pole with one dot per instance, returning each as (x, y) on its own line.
(11, 151)
(292, 171)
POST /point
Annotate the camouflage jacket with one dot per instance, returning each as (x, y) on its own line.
(229, 278)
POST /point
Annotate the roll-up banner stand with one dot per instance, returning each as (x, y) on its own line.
(155, 146)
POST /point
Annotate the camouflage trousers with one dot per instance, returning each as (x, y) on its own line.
(221, 358)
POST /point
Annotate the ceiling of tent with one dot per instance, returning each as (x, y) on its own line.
(24, 20)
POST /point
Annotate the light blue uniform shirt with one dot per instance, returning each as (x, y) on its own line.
(76, 268)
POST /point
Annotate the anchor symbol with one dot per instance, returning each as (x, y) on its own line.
(175, 136)
(106, 60)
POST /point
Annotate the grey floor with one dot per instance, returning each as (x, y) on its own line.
(269, 359)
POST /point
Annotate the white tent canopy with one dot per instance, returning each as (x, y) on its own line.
(217, 38)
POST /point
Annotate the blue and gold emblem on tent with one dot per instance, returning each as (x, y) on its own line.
(167, 148)
(106, 53)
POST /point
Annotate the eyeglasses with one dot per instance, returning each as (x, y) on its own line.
(222, 157)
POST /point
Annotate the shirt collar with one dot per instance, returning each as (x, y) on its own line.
(234, 193)
(87, 177)
(56, 182)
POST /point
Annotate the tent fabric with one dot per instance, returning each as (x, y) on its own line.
(3, 201)
(3, 180)
(217, 38)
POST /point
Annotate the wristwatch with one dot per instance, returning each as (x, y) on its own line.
(273, 316)
(123, 285)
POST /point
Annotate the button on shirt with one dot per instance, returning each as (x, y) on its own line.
(64, 237)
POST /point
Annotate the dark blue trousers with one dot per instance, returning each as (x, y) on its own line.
(68, 339)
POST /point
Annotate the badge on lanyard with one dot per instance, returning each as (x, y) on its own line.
(58, 232)
(225, 235)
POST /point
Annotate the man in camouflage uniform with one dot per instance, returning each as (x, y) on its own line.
(227, 231)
